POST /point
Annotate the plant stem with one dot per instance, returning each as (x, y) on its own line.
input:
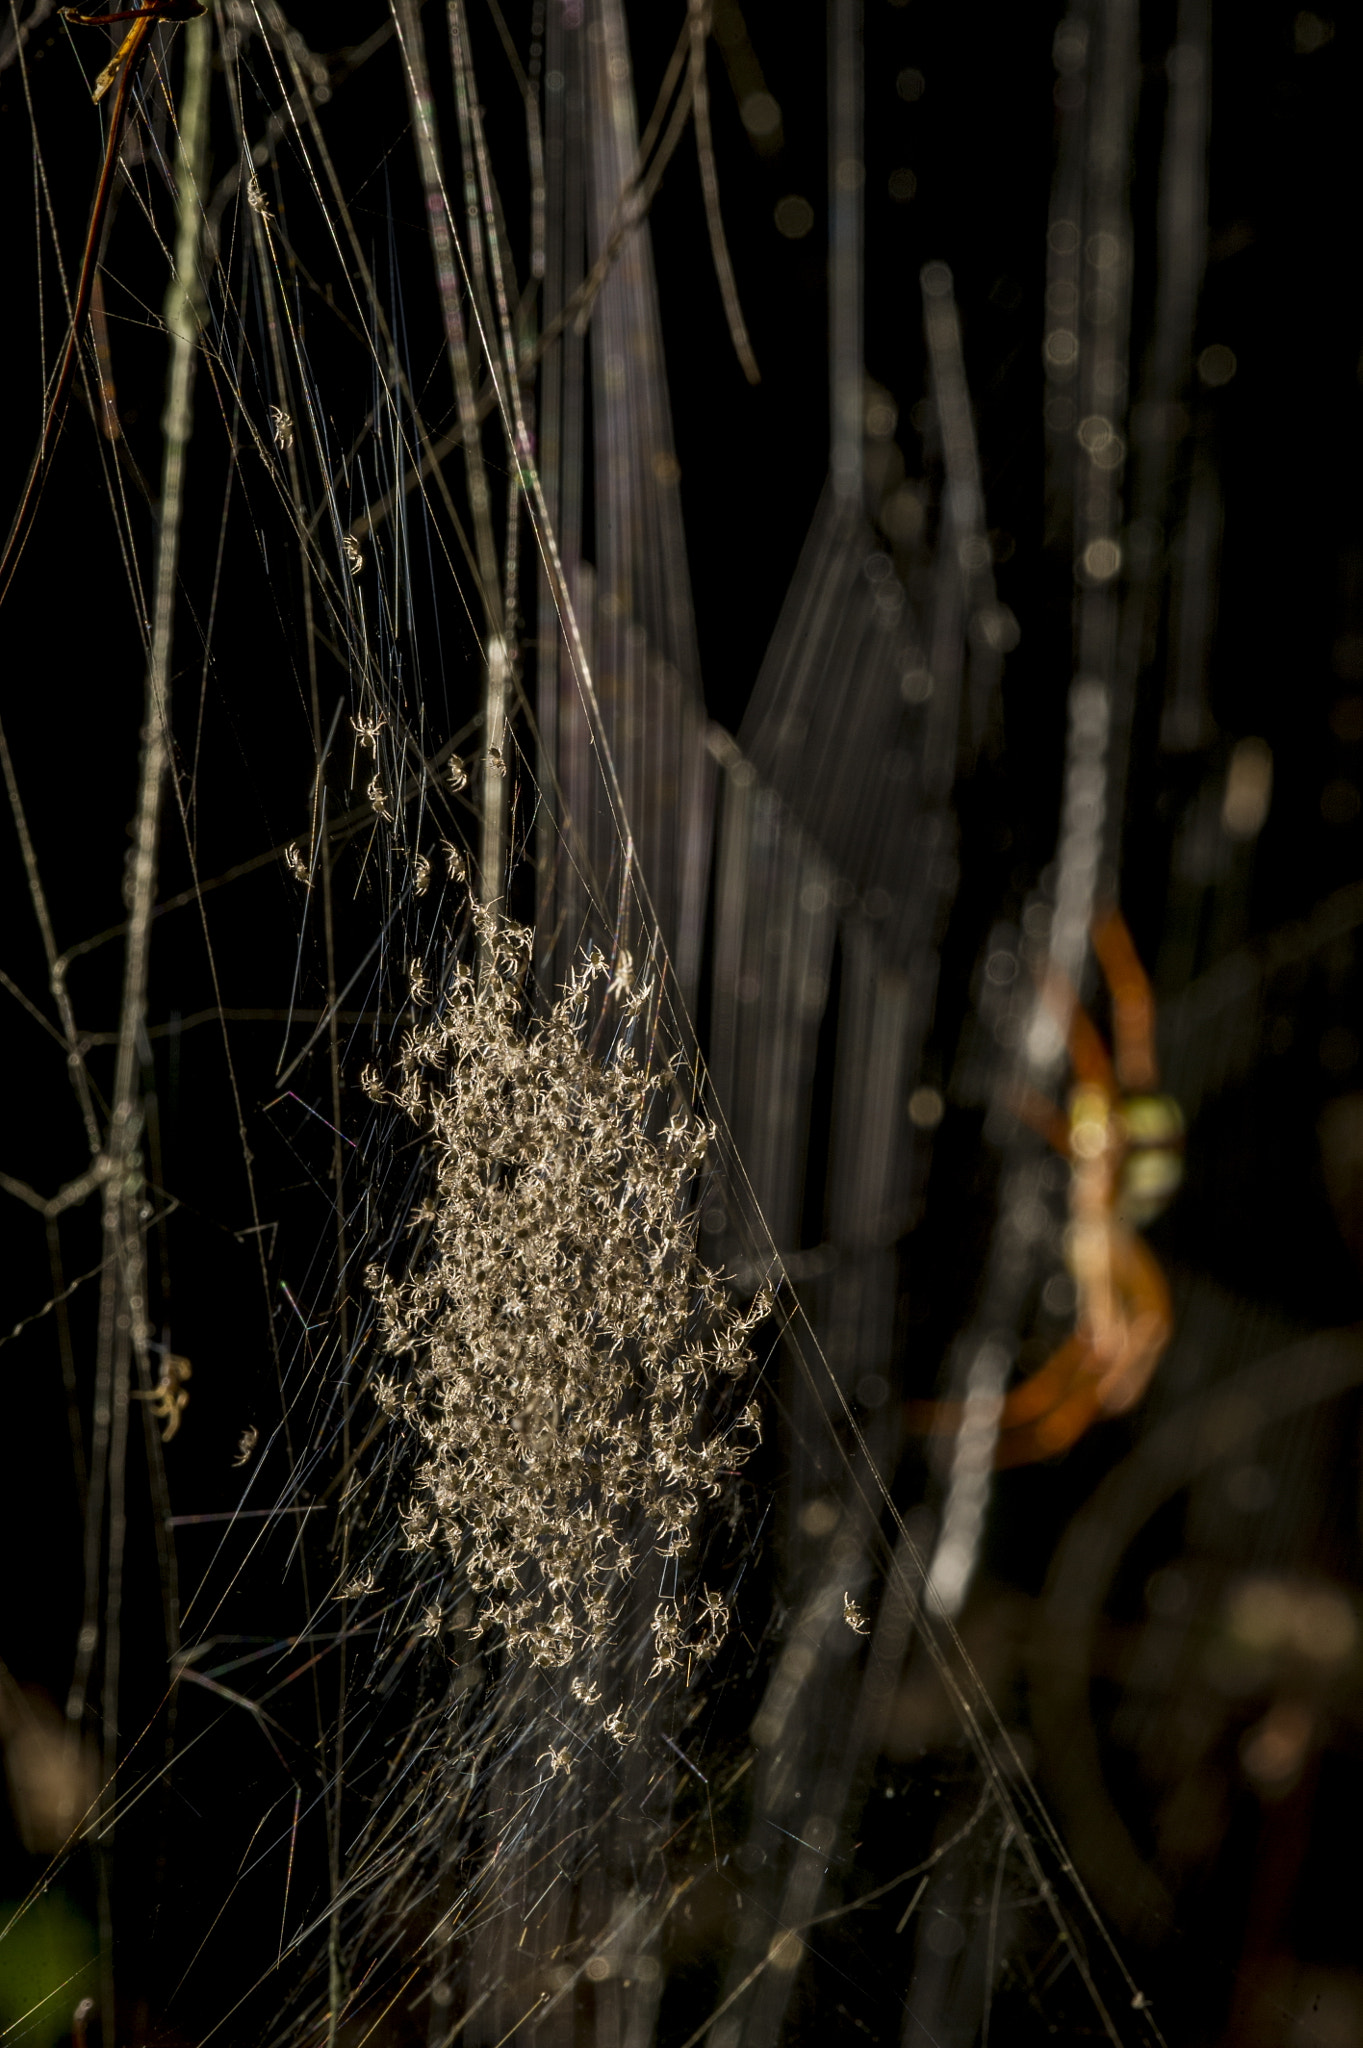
(124, 1320)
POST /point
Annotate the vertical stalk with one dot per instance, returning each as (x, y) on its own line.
(699, 25)
(124, 1322)
(482, 248)
(492, 851)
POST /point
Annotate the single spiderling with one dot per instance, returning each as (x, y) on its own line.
(367, 730)
(622, 981)
(619, 1726)
(169, 1398)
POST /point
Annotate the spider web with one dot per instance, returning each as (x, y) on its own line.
(434, 647)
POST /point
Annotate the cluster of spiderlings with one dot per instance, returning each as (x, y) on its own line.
(563, 1340)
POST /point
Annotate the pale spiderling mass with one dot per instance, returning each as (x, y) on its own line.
(560, 1351)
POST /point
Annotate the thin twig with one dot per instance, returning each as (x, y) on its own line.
(699, 20)
(56, 406)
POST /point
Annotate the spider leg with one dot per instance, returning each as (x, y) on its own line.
(1046, 1388)
(1058, 1429)
(1044, 1416)
(1064, 1398)
(1147, 1318)
(1133, 1005)
(1081, 1384)
(1040, 1114)
(1024, 1407)
(1089, 1057)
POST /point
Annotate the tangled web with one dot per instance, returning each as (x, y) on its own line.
(563, 1332)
